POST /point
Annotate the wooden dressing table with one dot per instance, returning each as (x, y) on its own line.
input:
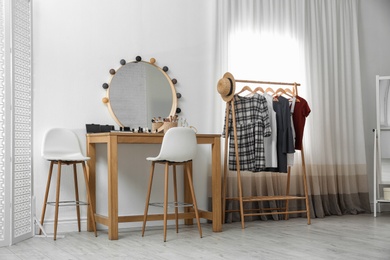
(112, 140)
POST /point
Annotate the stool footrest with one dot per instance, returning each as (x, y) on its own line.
(68, 203)
(171, 204)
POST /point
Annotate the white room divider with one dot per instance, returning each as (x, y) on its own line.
(16, 212)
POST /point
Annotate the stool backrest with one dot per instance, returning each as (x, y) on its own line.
(179, 145)
(62, 144)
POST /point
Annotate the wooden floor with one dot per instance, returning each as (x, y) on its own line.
(335, 237)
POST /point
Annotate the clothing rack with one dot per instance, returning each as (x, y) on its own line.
(285, 210)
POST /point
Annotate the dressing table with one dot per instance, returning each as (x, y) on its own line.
(111, 140)
(136, 92)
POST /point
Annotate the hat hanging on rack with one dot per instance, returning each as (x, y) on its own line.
(227, 86)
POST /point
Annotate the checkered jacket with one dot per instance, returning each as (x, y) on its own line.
(252, 124)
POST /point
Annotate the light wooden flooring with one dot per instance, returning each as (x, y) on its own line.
(336, 237)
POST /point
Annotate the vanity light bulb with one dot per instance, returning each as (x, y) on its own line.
(122, 62)
(178, 95)
(165, 68)
(138, 58)
(112, 71)
(178, 110)
(153, 60)
(105, 100)
(174, 81)
(105, 86)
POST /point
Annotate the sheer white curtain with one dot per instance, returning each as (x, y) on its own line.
(315, 43)
(335, 132)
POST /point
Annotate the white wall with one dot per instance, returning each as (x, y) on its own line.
(374, 40)
(76, 43)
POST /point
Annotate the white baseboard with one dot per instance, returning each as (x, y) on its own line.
(70, 225)
(62, 227)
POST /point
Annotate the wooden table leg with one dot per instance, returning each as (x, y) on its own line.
(112, 155)
(216, 185)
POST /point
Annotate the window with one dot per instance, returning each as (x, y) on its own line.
(265, 57)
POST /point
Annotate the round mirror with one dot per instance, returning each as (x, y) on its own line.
(139, 91)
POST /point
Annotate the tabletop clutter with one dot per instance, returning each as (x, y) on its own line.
(160, 124)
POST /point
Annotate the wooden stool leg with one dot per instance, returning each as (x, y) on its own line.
(90, 206)
(57, 199)
(77, 198)
(46, 195)
(148, 197)
(175, 197)
(193, 197)
(166, 200)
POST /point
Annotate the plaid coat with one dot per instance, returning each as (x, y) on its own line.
(252, 124)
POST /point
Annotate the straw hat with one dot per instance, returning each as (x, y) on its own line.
(227, 86)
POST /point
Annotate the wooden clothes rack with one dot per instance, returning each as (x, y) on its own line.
(285, 210)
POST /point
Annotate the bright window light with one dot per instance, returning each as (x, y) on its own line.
(265, 57)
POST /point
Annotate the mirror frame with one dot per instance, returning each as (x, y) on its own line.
(175, 96)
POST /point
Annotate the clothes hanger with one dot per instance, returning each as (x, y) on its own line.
(245, 88)
(270, 90)
(280, 92)
(287, 92)
(259, 89)
(290, 93)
